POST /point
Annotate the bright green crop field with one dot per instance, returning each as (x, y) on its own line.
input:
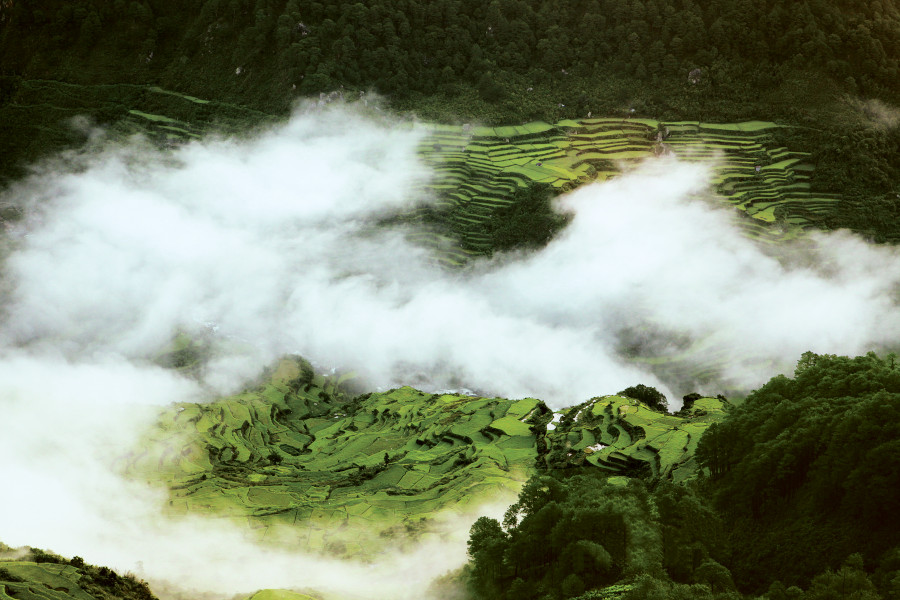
(302, 463)
(478, 169)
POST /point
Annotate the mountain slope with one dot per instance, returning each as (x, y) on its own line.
(39, 575)
(343, 474)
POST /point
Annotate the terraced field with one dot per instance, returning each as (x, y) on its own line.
(22, 580)
(622, 436)
(37, 575)
(480, 168)
(39, 114)
(303, 464)
(296, 452)
(279, 595)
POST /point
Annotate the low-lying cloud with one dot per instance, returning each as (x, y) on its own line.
(62, 491)
(272, 245)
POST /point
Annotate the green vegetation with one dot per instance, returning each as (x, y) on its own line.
(40, 575)
(622, 436)
(44, 116)
(226, 65)
(810, 465)
(794, 489)
(797, 492)
(299, 451)
(493, 184)
(279, 595)
(566, 536)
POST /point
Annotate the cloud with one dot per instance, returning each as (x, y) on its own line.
(649, 253)
(63, 492)
(272, 244)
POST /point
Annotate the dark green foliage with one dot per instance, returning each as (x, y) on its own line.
(807, 469)
(687, 403)
(691, 530)
(650, 588)
(486, 545)
(5, 575)
(565, 536)
(507, 62)
(42, 556)
(649, 396)
(801, 494)
(528, 222)
(850, 582)
(400, 47)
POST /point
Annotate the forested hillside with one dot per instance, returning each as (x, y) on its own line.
(828, 67)
(402, 46)
(801, 495)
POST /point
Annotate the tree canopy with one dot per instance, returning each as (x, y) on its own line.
(810, 465)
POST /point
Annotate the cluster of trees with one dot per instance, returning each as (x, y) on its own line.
(529, 221)
(650, 396)
(502, 61)
(810, 466)
(800, 493)
(403, 45)
(566, 536)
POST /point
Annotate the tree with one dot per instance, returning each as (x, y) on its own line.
(806, 469)
(850, 582)
(90, 30)
(528, 222)
(572, 585)
(717, 577)
(486, 546)
(649, 396)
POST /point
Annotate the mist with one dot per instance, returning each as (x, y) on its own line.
(275, 244)
(63, 492)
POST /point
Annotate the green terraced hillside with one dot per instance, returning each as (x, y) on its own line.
(42, 576)
(479, 169)
(622, 436)
(295, 452)
(279, 595)
(343, 475)
(38, 118)
(40, 581)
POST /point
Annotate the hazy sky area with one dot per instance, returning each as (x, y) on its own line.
(267, 246)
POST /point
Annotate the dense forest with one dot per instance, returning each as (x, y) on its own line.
(828, 67)
(801, 494)
(400, 47)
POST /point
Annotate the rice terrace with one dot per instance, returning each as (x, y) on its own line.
(297, 452)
